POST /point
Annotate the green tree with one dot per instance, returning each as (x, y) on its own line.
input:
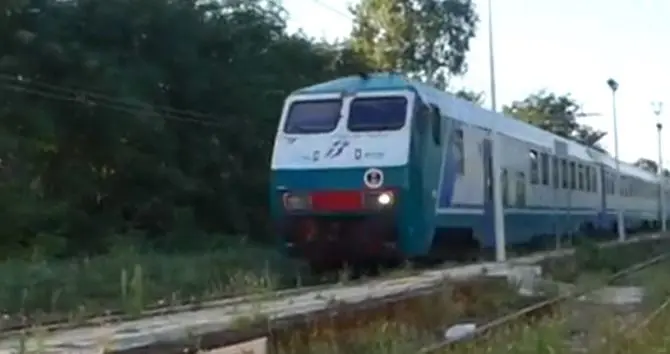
(472, 96)
(157, 115)
(647, 164)
(557, 114)
(428, 39)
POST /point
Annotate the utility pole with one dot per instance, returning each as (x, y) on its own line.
(658, 107)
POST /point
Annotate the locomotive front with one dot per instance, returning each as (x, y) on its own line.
(340, 175)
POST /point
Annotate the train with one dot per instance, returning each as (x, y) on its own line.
(381, 168)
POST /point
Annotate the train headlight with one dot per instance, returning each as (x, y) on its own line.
(296, 201)
(385, 199)
(379, 200)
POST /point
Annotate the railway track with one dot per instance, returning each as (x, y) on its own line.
(548, 307)
(12, 330)
(11, 326)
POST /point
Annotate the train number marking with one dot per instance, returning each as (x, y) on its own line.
(373, 178)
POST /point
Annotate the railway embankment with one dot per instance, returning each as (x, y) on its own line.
(398, 313)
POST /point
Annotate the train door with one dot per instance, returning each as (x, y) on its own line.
(437, 140)
(602, 215)
(489, 205)
(425, 172)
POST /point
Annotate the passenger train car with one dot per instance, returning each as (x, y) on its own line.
(378, 167)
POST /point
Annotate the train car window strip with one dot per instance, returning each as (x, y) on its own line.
(313, 116)
(459, 151)
(594, 180)
(504, 180)
(520, 189)
(544, 160)
(555, 171)
(377, 114)
(534, 168)
(565, 174)
(573, 175)
(436, 124)
(580, 177)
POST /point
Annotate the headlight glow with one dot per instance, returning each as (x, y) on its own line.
(385, 198)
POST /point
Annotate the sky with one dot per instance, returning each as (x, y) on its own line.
(563, 46)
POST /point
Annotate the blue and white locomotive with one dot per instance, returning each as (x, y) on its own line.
(378, 167)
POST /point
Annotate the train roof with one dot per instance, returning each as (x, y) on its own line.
(473, 114)
(354, 83)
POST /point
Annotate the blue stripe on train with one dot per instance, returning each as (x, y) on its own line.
(541, 207)
(521, 224)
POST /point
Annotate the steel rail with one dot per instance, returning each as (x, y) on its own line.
(537, 307)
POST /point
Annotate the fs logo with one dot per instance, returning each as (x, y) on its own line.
(336, 149)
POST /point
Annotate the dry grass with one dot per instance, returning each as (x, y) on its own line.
(575, 328)
(403, 326)
(551, 335)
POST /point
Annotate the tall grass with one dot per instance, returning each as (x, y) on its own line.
(133, 280)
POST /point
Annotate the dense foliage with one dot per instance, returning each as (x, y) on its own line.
(153, 120)
(156, 116)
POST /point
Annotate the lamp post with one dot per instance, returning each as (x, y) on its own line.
(498, 212)
(658, 107)
(614, 86)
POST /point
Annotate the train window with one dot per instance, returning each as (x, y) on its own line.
(377, 114)
(520, 189)
(610, 184)
(594, 180)
(564, 168)
(556, 172)
(580, 177)
(436, 124)
(544, 160)
(504, 181)
(573, 176)
(587, 178)
(423, 118)
(313, 116)
(534, 168)
(459, 151)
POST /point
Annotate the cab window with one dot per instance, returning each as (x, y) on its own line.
(313, 116)
(377, 114)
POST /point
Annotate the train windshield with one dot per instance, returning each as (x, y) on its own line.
(305, 117)
(377, 114)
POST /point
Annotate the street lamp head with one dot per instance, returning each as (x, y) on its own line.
(612, 84)
(657, 107)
